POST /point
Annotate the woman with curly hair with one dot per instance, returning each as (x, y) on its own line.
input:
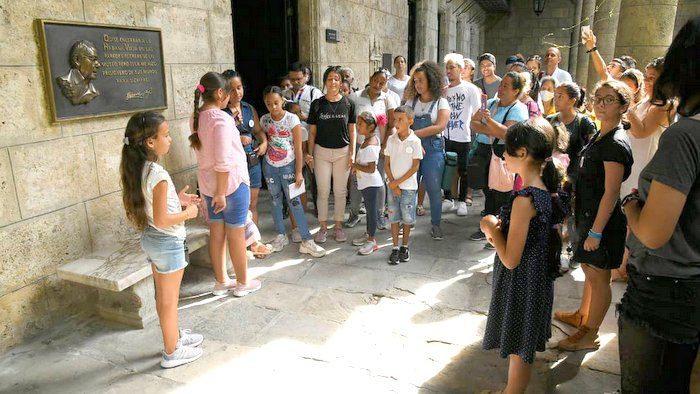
(432, 112)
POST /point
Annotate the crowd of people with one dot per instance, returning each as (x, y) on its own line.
(606, 179)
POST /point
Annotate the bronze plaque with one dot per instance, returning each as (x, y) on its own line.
(97, 70)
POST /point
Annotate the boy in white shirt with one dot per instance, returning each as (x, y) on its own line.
(403, 154)
(465, 100)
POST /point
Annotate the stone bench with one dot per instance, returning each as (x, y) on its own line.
(126, 292)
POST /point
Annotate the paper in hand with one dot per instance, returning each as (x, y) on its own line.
(295, 191)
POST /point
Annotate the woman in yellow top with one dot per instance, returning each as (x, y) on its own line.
(547, 85)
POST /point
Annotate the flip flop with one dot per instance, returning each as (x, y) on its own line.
(469, 201)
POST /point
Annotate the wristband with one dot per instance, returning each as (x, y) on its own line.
(595, 235)
(595, 48)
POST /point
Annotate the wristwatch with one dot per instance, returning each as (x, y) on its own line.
(632, 196)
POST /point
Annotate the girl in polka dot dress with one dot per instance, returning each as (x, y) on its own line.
(527, 252)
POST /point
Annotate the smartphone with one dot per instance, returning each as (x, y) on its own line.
(484, 99)
(585, 30)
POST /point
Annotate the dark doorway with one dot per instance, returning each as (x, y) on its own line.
(411, 33)
(266, 41)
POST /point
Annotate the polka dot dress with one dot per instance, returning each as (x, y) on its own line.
(521, 302)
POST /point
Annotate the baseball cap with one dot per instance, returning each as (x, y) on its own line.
(487, 56)
(513, 59)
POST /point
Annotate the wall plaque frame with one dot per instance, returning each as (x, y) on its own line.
(94, 70)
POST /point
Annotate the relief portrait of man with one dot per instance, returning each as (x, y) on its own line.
(77, 85)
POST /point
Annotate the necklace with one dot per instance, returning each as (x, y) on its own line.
(333, 105)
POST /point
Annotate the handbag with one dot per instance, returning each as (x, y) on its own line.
(500, 179)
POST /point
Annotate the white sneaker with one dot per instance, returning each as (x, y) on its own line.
(242, 290)
(448, 206)
(359, 241)
(310, 247)
(223, 288)
(279, 242)
(368, 248)
(182, 355)
(461, 208)
(187, 338)
(296, 236)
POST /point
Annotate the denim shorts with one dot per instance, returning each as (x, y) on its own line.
(402, 208)
(166, 252)
(236, 211)
(255, 175)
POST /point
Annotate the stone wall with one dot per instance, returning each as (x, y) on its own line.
(59, 183)
(360, 23)
(521, 31)
(686, 10)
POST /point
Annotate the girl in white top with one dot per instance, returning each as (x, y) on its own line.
(647, 122)
(153, 206)
(397, 82)
(369, 181)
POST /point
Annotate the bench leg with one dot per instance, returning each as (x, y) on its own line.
(135, 306)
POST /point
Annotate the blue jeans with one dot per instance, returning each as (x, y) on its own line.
(430, 171)
(371, 195)
(278, 181)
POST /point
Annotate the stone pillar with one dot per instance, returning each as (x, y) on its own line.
(583, 58)
(605, 28)
(575, 41)
(645, 29)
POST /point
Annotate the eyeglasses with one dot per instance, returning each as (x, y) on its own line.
(604, 101)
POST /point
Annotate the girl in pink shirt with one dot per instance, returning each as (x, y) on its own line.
(224, 183)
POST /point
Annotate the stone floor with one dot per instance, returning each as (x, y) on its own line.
(343, 323)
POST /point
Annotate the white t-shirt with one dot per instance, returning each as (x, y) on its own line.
(421, 108)
(394, 98)
(280, 141)
(401, 155)
(465, 100)
(304, 97)
(366, 155)
(560, 75)
(363, 103)
(152, 175)
(397, 86)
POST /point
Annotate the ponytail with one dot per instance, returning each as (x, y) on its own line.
(208, 85)
(195, 143)
(135, 154)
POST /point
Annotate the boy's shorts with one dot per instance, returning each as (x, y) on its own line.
(402, 208)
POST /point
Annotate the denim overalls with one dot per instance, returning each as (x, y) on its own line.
(433, 164)
(246, 129)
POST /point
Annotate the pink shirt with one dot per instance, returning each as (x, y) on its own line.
(221, 151)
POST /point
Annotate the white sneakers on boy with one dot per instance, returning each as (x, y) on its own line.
(461, 208)
(448, 206)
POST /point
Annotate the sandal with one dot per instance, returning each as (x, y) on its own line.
(261, 250)
(469, 201)
(420, 211)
